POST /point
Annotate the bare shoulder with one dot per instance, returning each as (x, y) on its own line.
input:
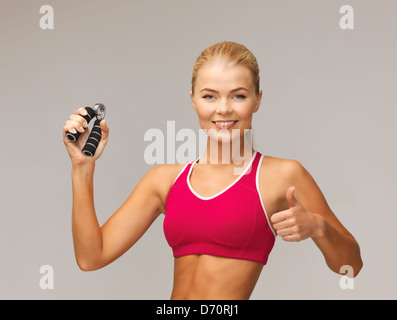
(162, 178)
(165, 172)
(290, 172)
(278, 174)
(278, 163)
(275, 177)
(282, 169)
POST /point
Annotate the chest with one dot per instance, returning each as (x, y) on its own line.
(208, 181)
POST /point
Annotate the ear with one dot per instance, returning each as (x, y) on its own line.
(258, 101)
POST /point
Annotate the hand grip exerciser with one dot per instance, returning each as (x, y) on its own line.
(98, 111)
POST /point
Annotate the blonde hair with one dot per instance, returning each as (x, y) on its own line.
(232, 53)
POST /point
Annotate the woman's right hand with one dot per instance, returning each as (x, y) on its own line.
(77, 123)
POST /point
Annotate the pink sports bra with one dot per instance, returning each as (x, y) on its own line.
(232, 223)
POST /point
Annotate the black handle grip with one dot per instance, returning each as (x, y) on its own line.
(93, 140)
(74, 136)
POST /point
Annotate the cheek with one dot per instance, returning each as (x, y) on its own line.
(204, 113)
(244, 112)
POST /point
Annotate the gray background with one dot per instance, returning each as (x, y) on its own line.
(329, 101)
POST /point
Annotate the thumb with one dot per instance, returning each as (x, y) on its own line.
(104, 129)
(291, 198)
(104, 126)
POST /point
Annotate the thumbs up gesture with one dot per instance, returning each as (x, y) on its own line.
(291, 197)
(296, 223)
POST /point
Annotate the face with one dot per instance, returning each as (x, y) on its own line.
(225, 99)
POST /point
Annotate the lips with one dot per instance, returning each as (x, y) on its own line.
(225, 124)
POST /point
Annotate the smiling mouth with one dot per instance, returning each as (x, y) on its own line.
(224, 124)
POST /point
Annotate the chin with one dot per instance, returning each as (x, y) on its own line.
(224, 135)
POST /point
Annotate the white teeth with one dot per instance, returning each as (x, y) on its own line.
(224, 123)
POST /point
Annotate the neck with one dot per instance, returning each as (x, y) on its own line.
(236, 150)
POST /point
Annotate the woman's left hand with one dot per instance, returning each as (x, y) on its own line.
(296, 223)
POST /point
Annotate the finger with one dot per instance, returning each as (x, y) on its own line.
(282, 225)
(285, 232)
(71, 130)
(279, 216)
(79, 119)
(291, 197)
(291, 238)
(81, 111)
(77, 126)
(68, 128)
(73, 124)
(82, 114)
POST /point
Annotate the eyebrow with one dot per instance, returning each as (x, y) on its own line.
(212, 90)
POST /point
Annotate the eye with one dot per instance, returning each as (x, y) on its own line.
(208, 97)
(240, 96)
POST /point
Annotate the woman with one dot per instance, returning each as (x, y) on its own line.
(221, 226)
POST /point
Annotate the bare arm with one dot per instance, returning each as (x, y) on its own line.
(96, 246)
(87, 236)
(310, 216)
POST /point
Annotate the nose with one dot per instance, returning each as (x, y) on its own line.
(223, 107)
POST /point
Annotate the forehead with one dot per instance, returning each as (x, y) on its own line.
(219, 75)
